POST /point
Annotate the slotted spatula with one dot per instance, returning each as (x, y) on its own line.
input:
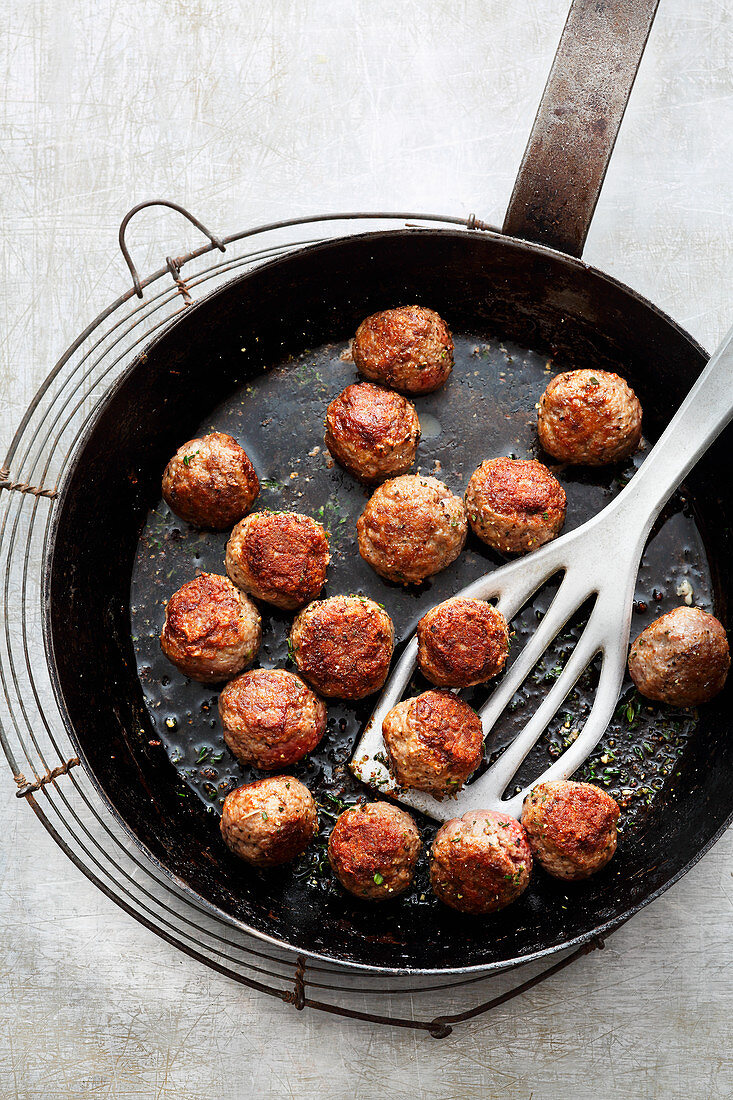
(598, 560)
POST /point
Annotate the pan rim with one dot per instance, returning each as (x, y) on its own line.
(181, 884)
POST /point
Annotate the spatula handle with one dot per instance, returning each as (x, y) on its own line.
(700, 419)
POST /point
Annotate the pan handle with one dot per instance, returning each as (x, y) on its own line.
(579, 116)
(216, 241)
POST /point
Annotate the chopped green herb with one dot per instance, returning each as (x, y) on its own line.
(379, 879)
(187, 458)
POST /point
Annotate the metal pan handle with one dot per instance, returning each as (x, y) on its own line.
(579, 116)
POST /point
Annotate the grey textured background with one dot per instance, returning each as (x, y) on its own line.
(246, 113)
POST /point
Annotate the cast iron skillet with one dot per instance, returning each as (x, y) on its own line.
(527, 302)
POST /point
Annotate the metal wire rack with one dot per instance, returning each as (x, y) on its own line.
(32, 731)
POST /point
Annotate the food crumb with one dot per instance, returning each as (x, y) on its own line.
(684, 589)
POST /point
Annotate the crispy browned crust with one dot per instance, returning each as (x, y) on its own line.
(480, 862)
(408, 348)
(589, 417)
(210, 482)
(374, 840)
(462, 643)
(435, 741)
(211, 630)
(571, 827)
(372, 432)
(271, 718)
(411, 528)
(682, 658)
(270, 821)
(343, 646)
(515, 505)
(280, 557)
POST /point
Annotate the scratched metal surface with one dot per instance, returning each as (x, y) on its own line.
(249, 113)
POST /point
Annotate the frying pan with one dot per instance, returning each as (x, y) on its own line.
(260, 357)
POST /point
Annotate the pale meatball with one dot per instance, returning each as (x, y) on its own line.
(373, 850)
(372, 432)
(411, 528)
(682, 658)
(434, 741)
(408, 349)
(210, 482)
(343, 646)
(461, 643)
(589, 417)
(571, 827)
(270, 718)
(480, 862)
(515, 505)
(270, 821)
(211, 631)
(279, 557)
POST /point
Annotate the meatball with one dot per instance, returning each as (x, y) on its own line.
(480, 862)
(343, 646)
(210, 482)
(589, 417)
(411, 528)
(211, 631)
(270, 718)
(279, 557)
(270, 821)
(571, 827)
(434, 741)
(515, 505)
(408, 349)
(682, 658)
(461, 643)
(372, 432)
(373, 850)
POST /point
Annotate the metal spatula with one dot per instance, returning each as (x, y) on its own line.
(599, 560)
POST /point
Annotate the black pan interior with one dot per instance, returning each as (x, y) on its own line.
(261, 358)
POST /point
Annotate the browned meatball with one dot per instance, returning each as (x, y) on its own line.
(211, 631)
(270, 821)
(279, 557)
(515, 505)
(480, 862)
(434, 741)
(270, 718)
(683, 658)
(372, 432)
(571, 827)
(210, 482)
(343, 646)
(409, 349)
(589, 417)
(461, 643)
(411, 528)
(373, 850)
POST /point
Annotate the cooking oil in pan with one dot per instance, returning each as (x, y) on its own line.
(486, 409)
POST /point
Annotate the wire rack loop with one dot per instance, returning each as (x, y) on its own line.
(216, 241)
